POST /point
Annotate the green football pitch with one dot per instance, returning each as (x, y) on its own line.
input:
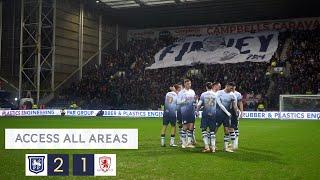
(268, 149)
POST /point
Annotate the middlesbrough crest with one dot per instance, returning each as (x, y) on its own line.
(105, 163)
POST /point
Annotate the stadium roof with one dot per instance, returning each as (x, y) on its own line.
(143, 3)
(163, 13)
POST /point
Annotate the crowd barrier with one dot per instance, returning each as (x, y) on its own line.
(153, 113)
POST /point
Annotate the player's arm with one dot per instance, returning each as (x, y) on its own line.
(196, 100)
(235, 104)
(181, 99)
(240, 104)
(199, 104)
(235, 107)
(201, 100)
(222, 106)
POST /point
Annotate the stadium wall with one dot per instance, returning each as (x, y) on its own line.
(154, 114)
(67, 39)
(229, 28)
(79, 27)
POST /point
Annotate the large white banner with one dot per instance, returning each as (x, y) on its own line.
(71, 138)
(235, 48)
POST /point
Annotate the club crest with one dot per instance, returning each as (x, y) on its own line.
(36, 164)
(105, 163)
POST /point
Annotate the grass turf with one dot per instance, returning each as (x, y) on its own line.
(268, 149)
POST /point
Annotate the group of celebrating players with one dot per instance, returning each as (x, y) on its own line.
(218, 107)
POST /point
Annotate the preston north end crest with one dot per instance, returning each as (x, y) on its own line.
(36, 164)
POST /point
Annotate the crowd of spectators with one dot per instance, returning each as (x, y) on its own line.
(302, 66)
(122, 82)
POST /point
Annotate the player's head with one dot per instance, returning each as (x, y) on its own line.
(177, 87)
(234, 88)
(180, 84)
(216, 86)
(208, 86)
(187, 83)
(230, 87)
